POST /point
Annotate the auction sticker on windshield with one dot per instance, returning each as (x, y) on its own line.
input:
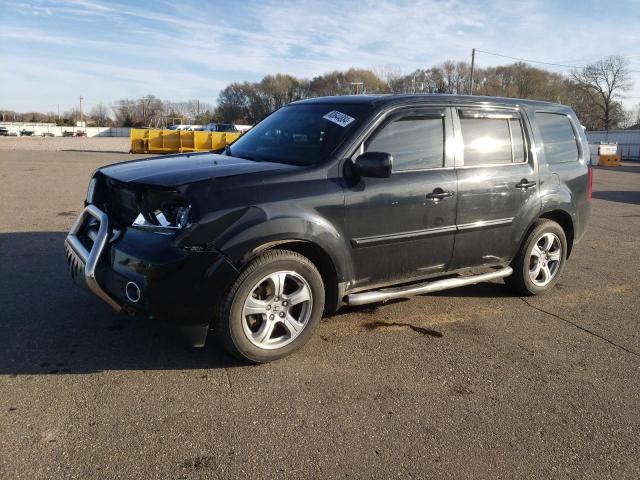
(339, 118)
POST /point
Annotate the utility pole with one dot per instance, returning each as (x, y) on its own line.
(473, 62)
(357, 85)
(81, 108)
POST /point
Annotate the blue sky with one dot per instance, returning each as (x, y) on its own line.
(53, 51)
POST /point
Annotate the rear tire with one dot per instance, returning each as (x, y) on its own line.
(540, 261)
(273, 308)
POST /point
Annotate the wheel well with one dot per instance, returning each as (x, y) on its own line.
(323, 263)
(564, 220)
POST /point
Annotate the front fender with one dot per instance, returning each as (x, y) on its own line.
(255, 229)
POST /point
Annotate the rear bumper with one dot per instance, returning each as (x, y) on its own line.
(179, 287)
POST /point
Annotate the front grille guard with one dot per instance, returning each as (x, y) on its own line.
(83, 263)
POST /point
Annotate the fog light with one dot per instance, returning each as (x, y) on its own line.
(133, 292)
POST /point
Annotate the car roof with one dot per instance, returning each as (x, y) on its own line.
(425, 98)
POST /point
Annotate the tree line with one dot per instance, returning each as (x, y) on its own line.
(594, 92)
(142, 112)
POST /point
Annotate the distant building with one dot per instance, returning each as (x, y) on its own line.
(628, 141)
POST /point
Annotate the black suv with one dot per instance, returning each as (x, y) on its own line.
(334, 201)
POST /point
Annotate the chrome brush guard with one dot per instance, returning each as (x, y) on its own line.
(82, 262)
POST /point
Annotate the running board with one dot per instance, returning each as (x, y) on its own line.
(429, 287)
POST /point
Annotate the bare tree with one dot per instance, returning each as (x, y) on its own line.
(148, 107)
(71, 116)
(631, 117)
(604, 82)
(100, 114)
(124, 111)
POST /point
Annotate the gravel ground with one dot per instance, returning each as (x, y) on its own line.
(81, 144)
(467, 383)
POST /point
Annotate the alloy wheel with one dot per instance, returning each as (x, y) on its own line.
(277, 310)
(545, 258)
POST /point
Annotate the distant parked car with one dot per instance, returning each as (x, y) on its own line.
(67, 133)
(47, 134)
(81, 133)
(26, 133)
(220, 127)
(4, 131)
(13, 133)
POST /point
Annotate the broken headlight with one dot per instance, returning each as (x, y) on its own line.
(163, 212)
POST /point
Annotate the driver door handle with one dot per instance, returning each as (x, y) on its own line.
(439, 194)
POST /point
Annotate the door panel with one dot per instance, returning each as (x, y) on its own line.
(492, 214)
(396, 230)
(496, 200)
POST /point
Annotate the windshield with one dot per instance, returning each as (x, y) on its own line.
(303, 134)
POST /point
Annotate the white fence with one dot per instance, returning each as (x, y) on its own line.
(51, 129)
(628, 141)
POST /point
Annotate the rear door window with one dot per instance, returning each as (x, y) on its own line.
(492, 138)
(558, 137)
(486, 141)
(415, 142)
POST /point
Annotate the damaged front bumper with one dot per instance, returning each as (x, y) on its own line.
(179, 286)
(82, 262)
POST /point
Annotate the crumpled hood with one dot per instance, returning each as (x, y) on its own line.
(176, 170)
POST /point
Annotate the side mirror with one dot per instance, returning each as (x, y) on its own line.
(373, 164)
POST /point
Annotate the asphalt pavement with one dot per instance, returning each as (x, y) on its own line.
(468, 383)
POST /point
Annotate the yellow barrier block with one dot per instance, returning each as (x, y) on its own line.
(218, 140)
(163, 141)
(175, 141)
(186, 141)
(139, 138)
(154, 143)
(171, 140)
(201, 141)
(232, 137)
(609, 161)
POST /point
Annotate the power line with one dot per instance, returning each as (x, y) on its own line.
(529, 61)
(564, 65)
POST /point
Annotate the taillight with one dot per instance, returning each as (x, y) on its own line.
(590, 182)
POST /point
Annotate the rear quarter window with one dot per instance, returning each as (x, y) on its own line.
(558, 137)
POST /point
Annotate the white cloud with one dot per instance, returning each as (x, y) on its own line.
(181, 50)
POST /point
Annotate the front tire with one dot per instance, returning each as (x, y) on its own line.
(540, 261)
(273, 308)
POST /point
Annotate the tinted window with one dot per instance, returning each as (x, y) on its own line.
(517, 137)
(486, 141)
(414, 142)
(558, 138)
(302, 134)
